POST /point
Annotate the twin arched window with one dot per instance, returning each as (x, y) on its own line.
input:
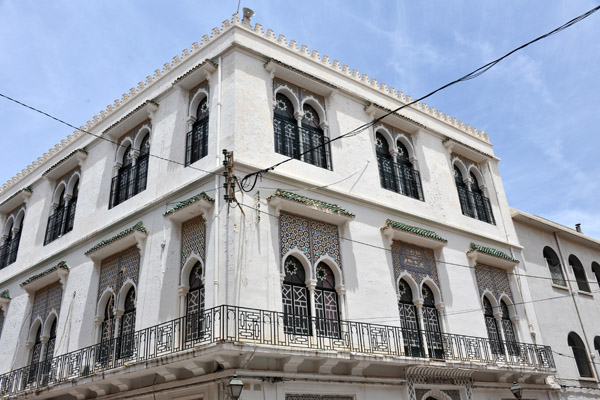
(580, 355)
(196, 141)
(579, 272)
(473, 201)
(132, 175)
(554, 266)
(124, 344)
(62, 218)
(497, 328)
(301, 138)
(10, 247)
(399, 174)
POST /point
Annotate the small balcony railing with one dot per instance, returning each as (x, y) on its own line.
(60, 222)
(401, 179)
(292, 141)
(245, 325)
(475, 205)
(130, 181)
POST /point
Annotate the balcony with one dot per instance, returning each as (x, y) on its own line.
(272, 333)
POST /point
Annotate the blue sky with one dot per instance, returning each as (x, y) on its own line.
(540, 107)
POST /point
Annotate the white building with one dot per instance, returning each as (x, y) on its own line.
(384, 265)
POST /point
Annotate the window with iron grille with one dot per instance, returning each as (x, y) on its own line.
(411, 331)
(132, 176)
(509, 333)
(10, 247)
(107, 331)
(473, 201)
(62, 219)
(36, 353)
(326, 303)
(596, 271)
(431, 323)
(295, 296)
(196, 141)
(304, 140)
(554, 266)
(580, 355)
(126, 340)
(397, 175)
(579, 272)
(491, 325)
(195, 304)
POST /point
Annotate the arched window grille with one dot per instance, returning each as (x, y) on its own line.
(132, 177)
(387, 171)
(492, 328)
(431, 324)
(473, 201)
(596, 344)
(508, 329)
(126, 336)
(61, 220)
(49, 354)
(196, 142)
(292, 140)
(580, 355)
(195, 304)
(411, 332)
(36, 353)
(463, 192)
(71, 206)
(483, 209)
(596, 271)
(410, 180)
(107, 331)
(582, 282)
(554, 266)
(326, 303)
(296, 304)
(8, 251)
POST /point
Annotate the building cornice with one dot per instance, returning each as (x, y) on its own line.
(52, 274)
(138, 231)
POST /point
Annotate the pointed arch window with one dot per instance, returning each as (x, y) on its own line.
(326, 303)
(196, 142)
(293, 138)
(71, 206)
(8, 251)
(36, 353)
(126, 336)
(296, 304)
(491, 325)
(195, 304)
(107, 331)
(596, 271)
(580, 355)
(387, 171)
(409, 177)
(411, 331)
(579, 272)
(62, 219)
(463, 193)
(508, 329)
(132, 176)
(473, 201)
(431, 324)
(49, 353)
(554, 266)
(483, 209)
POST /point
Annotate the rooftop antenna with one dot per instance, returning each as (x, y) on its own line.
(238, 9)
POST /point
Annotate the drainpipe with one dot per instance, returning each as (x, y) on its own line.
(217, 227)
(570, 283)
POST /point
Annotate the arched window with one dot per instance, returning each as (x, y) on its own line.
(132, 176)
(313, 139)
(554, 266)
(582, 282)
(508, 329)
(126, 337)
(71, 207)
(196, 143)
(1, 320)
(411, 332)
(410, 180)
(483, 208)
(596, 271)
(326, 303)
(492, 328)
(596, 344)
(61, 220)
(431, 324)
(580, 355)
(36, 353)
(195, 303)
(107, 331)
(49, 354)
(296, 304)
(463, 193)
(8, 251)
(387, 172)
(287, 138)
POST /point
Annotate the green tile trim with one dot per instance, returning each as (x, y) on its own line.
(311, 202)
(60, 265)
(191, 200)
(62, 160)
(491, 252)
(414, 230)
(4, 294)
(137, 227)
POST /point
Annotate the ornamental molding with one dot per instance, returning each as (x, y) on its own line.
(190, 208)
(311, 208)
(465, 150)
(53, 274)
(134, 235)
(439, 372)
(395, 230)
(270, 35)
(73, 160)
(490, 256)
(15, 200)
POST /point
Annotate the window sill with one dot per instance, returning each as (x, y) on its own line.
(584, 293)
(584, 379)
(561, 287)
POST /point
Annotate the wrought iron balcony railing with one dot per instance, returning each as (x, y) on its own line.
(401, 179)
(236, 324)
(475, 205)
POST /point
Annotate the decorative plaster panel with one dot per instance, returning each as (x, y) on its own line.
(116, 269)
(418, 261)
(193, 239)
(493, 279)
(314, 238)
(45, 300)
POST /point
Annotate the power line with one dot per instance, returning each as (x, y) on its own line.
(245, 181)
(96, 135)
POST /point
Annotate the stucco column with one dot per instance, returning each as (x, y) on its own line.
(298, 115)
(29, 347)
(180, 328)
(63, 223)
(470, 197)
(341, 291)
(312, 284)
(419, 306)
(117, 319)
(441, 309)
(396, 173)
(97, 328)
(498, 317)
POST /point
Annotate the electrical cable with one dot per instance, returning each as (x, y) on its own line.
(98, 136)
(245, 181)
